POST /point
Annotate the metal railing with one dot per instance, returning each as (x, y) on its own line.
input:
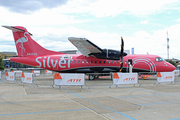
(103, 79)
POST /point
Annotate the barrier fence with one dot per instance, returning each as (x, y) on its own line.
(49, 78)
(70, 79)
(0, 75)
(125, 78)
(18, 73)
(27, 78)
(10, 76)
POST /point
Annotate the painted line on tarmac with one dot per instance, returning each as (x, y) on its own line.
(10, 90)
(88, 109)
(159, 103)
(161, 93)
(42, 112)
(66, 93)
(93, 102)
(35, 102)
(145, 104)
(139, 96)
(27, 95)
(100, 105)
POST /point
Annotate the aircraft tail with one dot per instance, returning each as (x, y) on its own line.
(25, 45)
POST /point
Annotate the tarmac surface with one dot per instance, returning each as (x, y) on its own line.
(97, 101)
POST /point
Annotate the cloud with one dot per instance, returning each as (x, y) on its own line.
(61, 42)
(142, 34)
(144, 22)
(123, 26)
(105, 8)
(142, 41)
(8, 48)
(29, 6)
(97, 8)
(57, 38)
(156, 42)
(52, 25)
(43, 17)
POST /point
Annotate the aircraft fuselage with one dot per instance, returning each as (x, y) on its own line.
(81, 64)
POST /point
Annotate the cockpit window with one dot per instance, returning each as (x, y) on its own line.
(159, 59)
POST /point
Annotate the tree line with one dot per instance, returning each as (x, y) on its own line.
(1, 64)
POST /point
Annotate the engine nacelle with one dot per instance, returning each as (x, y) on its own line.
(108, 54)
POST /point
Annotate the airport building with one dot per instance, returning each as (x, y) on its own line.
(7, 55)
(176, 61)
(9, 64)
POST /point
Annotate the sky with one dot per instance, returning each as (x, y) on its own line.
(143, 24)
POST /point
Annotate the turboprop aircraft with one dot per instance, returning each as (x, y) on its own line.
(92, 60)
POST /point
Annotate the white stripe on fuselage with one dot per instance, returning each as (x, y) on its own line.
(147, 61)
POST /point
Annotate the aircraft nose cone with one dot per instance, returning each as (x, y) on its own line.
(165, 67)
(170, 67)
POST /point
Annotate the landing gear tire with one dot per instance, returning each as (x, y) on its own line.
(93, 77)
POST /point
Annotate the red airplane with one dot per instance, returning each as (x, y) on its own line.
(92, 60)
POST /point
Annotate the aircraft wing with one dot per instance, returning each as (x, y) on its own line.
(85, 46)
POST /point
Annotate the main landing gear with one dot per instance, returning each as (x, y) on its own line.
(93, 76)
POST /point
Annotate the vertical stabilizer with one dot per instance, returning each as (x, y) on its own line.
(25, 45)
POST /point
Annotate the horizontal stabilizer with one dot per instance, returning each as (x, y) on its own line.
(15, 29)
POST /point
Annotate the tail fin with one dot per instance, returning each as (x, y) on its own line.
(25, 45)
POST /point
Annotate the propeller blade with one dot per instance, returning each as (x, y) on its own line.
(122, 53)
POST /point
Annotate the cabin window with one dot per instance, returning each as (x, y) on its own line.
(82, 61)
(99, 61)
(95, 61)
(79, 61)
(108, 61)
(91, 61)
(159, 59)
(104, 61)
(112, 61)
(63, 61)
(74, 61)
(125, 62)
(87, 62)
(116, 61)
